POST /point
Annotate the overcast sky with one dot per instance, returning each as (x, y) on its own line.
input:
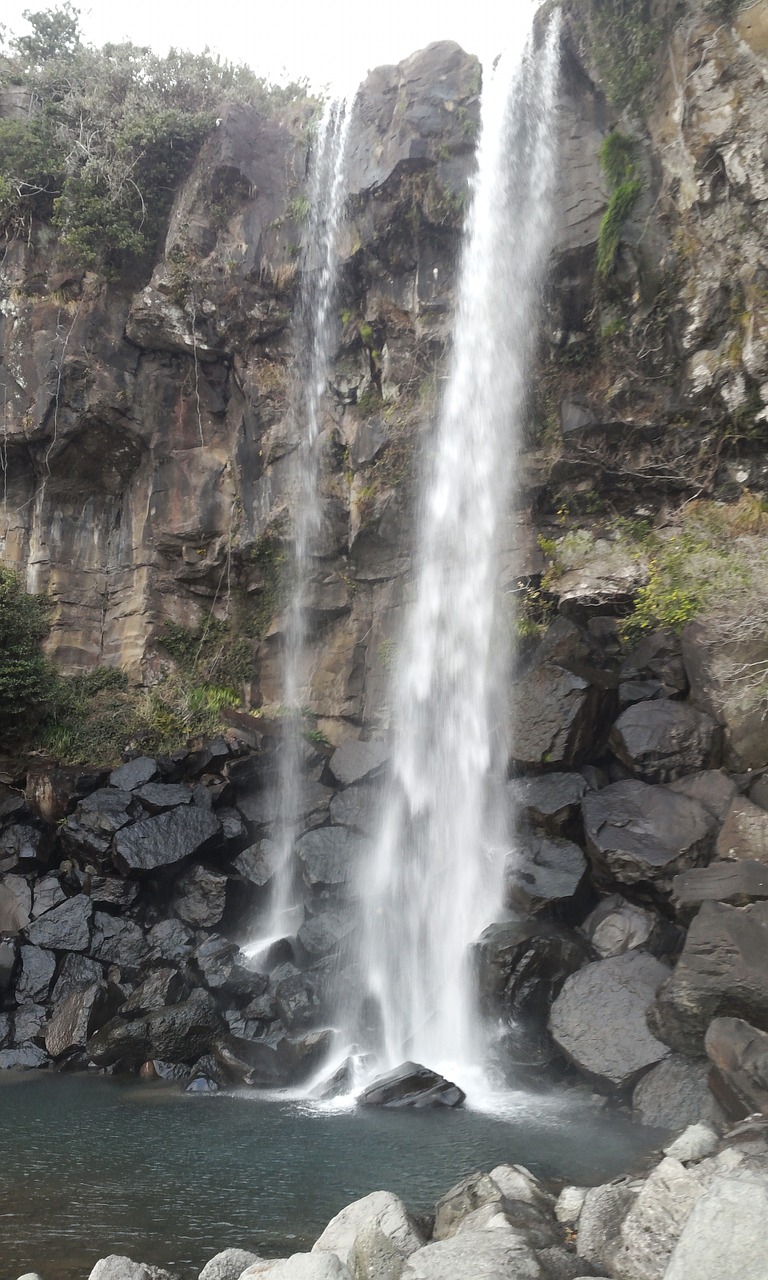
(331, 41)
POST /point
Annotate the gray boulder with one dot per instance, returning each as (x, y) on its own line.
(598, 1020)
(642, 835)
(616, 926)
(200, 897)
(330, 860)
(77, 1016)
(712, 788)
(118, 941)
(377, 1229)
(27, 1058)
(522, 965)
(156, 797)
(725, 1235)
(491, 1254)
(167, 839)
(674, 1094)
(301, 1266)
(76, 972)
(161, 987)
(600, 1221)
(36, 974)
(117, 1267)
(323, 934)
(545, 875)
(228, 1265)
(258, 862)
(652, 1227)
(551, 801)
(356, 807)
(48, 893)
(744, 833)
(660, 740)
(65, 928)
(8, 951)
(736, 883)
(722, 972)
(134, 774)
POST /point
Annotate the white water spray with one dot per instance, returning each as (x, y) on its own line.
(437, 867)
(313, 337)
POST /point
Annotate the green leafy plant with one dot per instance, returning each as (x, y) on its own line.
(27, 679)
(617, 158)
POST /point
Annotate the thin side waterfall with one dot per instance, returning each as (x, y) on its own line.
(436, 879)
(313, 334)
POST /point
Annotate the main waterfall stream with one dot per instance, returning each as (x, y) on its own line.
(436, 878)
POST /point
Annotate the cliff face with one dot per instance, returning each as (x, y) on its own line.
(147, 436)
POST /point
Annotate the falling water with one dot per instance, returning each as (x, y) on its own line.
(313, 334)
(436, 874)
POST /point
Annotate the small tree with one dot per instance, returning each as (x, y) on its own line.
(27, 678)
(55, 34)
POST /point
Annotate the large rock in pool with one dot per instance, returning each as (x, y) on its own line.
(642, 835)
(722, 972)
(598, 1020)
(167, 839)
(658, 741)
(411, 1085)
(178, 1033)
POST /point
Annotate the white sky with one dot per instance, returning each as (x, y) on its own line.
(330, 41)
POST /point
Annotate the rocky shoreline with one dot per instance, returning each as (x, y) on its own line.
(701, 1211)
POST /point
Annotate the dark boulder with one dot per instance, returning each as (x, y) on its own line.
(722, 972)
(106, 811)
(598, 1020)
(48, 893)
(250, 1062)
(744, 833)
(65, 928)
(257, 863)
(616, 926)
(35, 975)
(167, 839)
(330, 859)
(170, 940)
(160, 988)
(322, 935)
(356, 808)
(200, 897)
(297, 1003)
(118, 941)
(29, 1024)
(8, 949)
(299, 1056)
(157, 797)
(551, 801)
(134, 774)
(22, 846)
(712, 788)
(110, 891)
(411, 1085)
(545, 875)
(521, 966)
(658, 658)
(736, 883)
(179, 1033)
(674, 1094)
(225, 968)
(78, 1016)
(739, 1055)
(659, 741)
(642, 835)
(77, 972)
(29, 1057)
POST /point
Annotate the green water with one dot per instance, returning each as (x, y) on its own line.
(90, 1167)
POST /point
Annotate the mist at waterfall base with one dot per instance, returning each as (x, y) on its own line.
(90, 1167)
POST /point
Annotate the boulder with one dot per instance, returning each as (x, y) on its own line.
(250, 1062)
(180, 1033)
(659, 741)
(258, 862)
(228, 1265)
(170, 940)
(65, 928)
(598, 1020)
(296, 1002)
(160, 988)
(29, 1024)
(551, 801)
(76, 972)
(353, 761)
(117, 1267)
(156, 797)
(330, 859)
(616, 926)
(300, 1055)
(739, 1054)
(715, 671)
(722, 972)
(8, 950)
(118, 941)
(301, 1266)
(379, 1223)
(674, 1094)
(322, 935)
(356, 808)
(744, 834)
(694, 1144)
(48, 893)
(725, 1235)
(482, 1255)
(736, 883)
(643, 835)
(600, 1221)
(112, 891)
(545, 875)
(134, 774)
(200, 897)
(556, 719)
(36, 974)
(652, 1227)
(15, 904)
(28, 1058)
(78, 1016)
(167, 839)
(105, 812)
(712, 788)
(521, 966)
(21, 845)
(658, 658)
(411, 1085)
(473, 1192)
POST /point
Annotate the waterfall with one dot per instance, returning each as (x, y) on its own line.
(314, 328)
(435, 881)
